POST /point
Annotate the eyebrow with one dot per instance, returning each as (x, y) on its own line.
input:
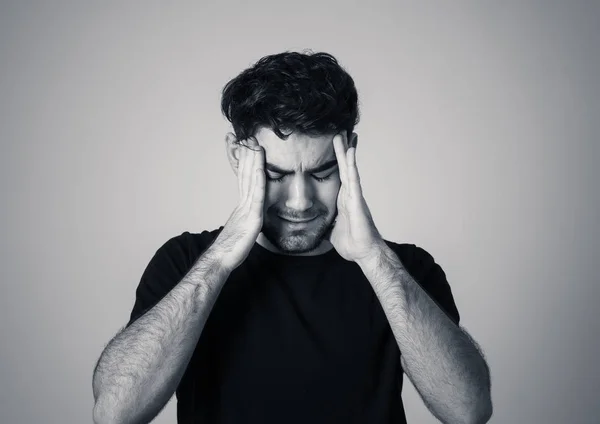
(324, 167)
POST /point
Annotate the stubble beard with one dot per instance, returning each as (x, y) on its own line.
(296, 241)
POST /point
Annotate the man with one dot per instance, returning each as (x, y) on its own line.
(296, 310)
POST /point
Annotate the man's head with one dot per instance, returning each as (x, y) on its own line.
(293, 104)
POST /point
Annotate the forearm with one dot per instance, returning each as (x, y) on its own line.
(442, 361)
(141, 367)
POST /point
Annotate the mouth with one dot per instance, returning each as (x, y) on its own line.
(296, 221)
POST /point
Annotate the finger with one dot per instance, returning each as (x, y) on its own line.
(353, 176)
(254, 153)
(248, 170)
(240, 169)
(340, 154)
(253, 144)
(260, 157)
(258, 189)
(344, 135)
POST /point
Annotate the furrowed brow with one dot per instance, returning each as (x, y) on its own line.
(324, 167)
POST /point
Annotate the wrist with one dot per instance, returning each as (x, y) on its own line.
(216, 258)
(373, 259)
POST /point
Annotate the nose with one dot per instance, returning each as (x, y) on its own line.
(300, 195)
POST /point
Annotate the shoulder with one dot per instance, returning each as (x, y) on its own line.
(421, 265)
(188, 243)
(169, 264)
(180, 252)
(415, 259)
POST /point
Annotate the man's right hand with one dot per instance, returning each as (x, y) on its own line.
(245, 223)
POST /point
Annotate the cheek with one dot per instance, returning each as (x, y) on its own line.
(273, 195)
(272, 192)
(328, 192)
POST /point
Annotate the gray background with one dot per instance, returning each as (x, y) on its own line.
(478, 142)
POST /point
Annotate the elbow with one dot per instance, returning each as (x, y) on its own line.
(481, 418)
(100, 415)
(482, 412)
(100, 418)
(478, 410)
(487, 414)
(105, 413)
(482, 409)
(473, 412)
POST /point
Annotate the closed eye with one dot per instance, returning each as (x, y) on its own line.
(319, 179)
(277, 180)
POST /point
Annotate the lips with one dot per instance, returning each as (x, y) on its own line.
(297, 221)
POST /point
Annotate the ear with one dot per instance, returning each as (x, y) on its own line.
(233, 151)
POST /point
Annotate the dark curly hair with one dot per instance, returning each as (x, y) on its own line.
(288, 92)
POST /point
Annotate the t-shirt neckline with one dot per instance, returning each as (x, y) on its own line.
(298, 259)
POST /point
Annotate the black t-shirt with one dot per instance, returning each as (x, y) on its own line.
(290, 339)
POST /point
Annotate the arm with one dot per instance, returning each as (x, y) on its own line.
(142, 366)
(441, 360)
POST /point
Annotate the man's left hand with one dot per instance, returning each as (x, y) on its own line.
(354, 235)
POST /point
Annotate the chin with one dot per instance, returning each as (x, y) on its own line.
(297, 241)
(299, 244)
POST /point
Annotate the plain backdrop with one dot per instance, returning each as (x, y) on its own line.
(478, 142)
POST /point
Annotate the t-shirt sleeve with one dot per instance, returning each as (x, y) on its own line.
(431, 277)
(166, 269)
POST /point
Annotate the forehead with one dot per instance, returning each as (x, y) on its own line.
(298, 151)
